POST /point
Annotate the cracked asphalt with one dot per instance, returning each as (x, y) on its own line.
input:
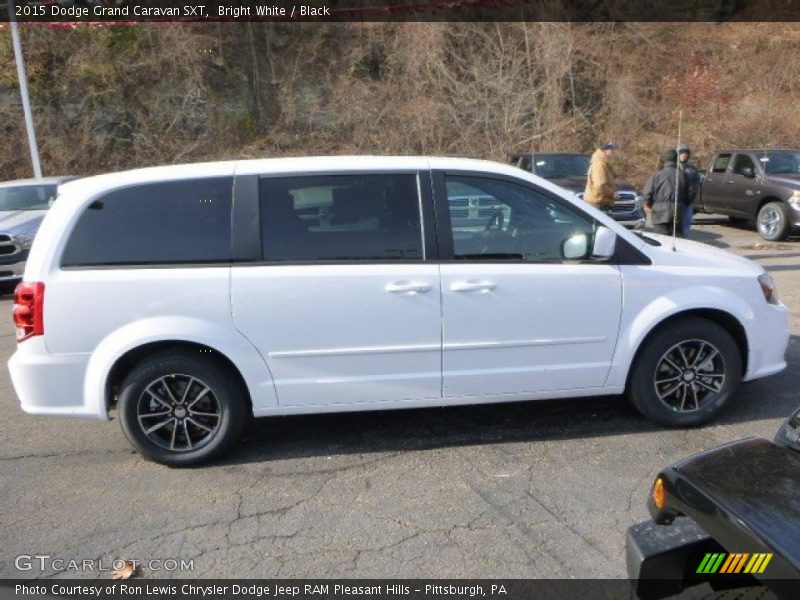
(537, 489)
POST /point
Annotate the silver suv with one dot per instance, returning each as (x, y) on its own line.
(23, 204)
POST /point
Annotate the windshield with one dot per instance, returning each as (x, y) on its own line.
(560, 166)
(27, 197)
(781, 163)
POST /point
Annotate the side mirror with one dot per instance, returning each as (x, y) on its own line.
(605, 242)
(576, 247)
(749, 172)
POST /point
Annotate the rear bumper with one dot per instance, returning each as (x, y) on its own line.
(50, 384)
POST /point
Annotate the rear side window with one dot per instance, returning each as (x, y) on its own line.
(721, 163)
(340, 218)
(524, 163)
(157, 223)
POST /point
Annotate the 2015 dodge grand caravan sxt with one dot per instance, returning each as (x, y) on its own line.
(191, 297)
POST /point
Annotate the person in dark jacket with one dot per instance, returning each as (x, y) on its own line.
(692, 177)
(659, 195)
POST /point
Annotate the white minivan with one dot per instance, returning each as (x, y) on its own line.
(188, 298)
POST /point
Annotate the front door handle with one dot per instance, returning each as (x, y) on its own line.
(407, 287)
(472, 286)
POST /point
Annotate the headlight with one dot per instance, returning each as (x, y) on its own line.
(23, 241)
(639, 201)
(768, 288)
(794, 199)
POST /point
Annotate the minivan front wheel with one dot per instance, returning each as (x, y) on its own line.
(686, 373)
(773, 221)
(181, 410)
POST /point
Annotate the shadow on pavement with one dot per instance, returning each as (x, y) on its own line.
(766, 256)
(707, 237)
(423, 429)
(773, 268)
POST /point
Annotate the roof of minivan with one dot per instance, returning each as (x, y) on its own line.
(309, 164)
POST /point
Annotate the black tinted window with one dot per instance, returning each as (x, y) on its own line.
(561, 166)
(780, 163)
(167, 222)
(340, 217)
(741, 163)
(721, 163)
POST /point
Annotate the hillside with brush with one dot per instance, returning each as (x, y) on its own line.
(111, 98)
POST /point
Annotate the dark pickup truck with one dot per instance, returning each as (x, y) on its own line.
(569, 170)
(760, 188)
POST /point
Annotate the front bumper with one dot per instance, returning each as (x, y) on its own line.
(12, 266)
(768, 339)
(50, 384)
(629, 218)
(794, 215)
(661, 558)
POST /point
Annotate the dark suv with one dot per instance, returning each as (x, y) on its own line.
(569, 170)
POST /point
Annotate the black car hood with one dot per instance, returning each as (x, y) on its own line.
(757, 482)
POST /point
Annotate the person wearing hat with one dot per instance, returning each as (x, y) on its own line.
(692, 177)
(659, 195)
(601, 190)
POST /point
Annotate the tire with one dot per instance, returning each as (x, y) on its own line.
(167, 405)
(696, 355)
(772, 221)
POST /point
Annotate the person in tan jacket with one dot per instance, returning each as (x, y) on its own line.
(601, 189)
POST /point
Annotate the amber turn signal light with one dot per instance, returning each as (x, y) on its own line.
(659, 493)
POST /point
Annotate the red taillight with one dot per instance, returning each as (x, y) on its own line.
(28, 313)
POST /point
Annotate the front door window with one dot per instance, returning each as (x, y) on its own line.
(497, 220)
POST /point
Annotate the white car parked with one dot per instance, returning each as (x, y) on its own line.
(191, 297)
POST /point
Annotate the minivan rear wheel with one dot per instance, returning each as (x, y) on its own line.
(686, 374)
(181, 410)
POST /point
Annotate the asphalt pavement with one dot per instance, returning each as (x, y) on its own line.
(535, 489)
